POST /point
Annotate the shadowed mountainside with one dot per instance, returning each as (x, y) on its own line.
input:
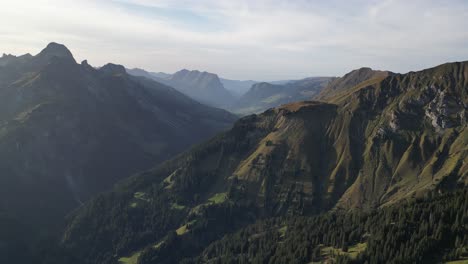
(68, 130)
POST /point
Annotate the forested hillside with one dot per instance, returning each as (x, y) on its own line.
(432, 229)
(378, 144)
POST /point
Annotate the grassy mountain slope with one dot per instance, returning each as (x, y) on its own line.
(341, 86)
(383, 142)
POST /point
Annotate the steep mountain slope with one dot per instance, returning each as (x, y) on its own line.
(68, 130)
(13, 241)
(385, 141)
(263, 96)
(341, 86)
(204, 87)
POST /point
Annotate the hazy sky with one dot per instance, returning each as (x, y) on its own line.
(261, 40)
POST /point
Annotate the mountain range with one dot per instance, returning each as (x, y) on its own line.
(263, 96)
(373, 140)
(69, 131)
(240, 97)
(235, 87)
(204, 87)
(102, 165)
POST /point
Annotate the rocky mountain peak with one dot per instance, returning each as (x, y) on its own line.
(56, 50)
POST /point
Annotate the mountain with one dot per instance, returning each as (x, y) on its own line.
(237, 87)
(203, 87)
(384, 142)
(263, 96)
(68, 131)
(351, 79)
(243, 97)
(13, 240)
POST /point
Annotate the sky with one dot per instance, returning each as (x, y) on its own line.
(243, 39)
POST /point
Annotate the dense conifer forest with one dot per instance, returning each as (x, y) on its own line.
(428, 230)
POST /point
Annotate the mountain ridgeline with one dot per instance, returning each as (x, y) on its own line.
(356, 78)
(373, 140)
(204, 87)
(235, 87)
(263, 96)
(256, 97)
(68, 131)
(243, 97)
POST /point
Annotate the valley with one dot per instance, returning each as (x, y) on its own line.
(233, 132)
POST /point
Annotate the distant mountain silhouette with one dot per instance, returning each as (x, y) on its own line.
(263, 96)
(204, 87)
